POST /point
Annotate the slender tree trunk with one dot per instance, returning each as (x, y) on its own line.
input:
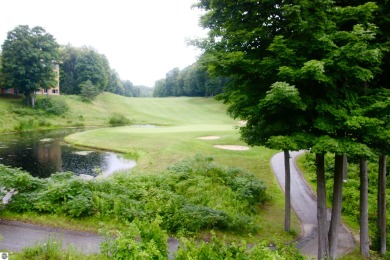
(382, 203)
(345, 168)
(336, 205)
(364, 240)
(323, 249)
(32, 100)
(287, 196)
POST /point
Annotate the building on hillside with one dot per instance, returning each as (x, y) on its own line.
(55, 90)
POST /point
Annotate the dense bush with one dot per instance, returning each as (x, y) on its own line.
(193, 195)
(52, 106)
(140, 240)
(118, 120)
(218, 249)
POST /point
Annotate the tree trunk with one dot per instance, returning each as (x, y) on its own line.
(364, 240)
(336, 205)
(345, 168)
(287, 196)
(382, 203)
(33, 100)
(323, 249)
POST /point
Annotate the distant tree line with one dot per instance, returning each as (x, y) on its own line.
(79, 65)
(194, 81)
(28, 59)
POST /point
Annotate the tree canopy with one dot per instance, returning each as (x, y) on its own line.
(28, 60)
(193, 81)
(79, 65)
(300, 72)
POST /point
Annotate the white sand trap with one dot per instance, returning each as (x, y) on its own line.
(232, 147)
(46, 140)
(210, 137)
(83, 153)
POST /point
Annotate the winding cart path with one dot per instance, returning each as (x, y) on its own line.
(304, 204)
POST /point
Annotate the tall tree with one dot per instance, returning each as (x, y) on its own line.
(68, 60)
(92, 66)
(29, 58)
(306, 44)
(115, 84)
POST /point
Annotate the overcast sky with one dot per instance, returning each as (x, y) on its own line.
(142, 39)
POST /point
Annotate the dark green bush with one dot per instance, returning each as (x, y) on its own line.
(186, 197)
(140, 240)
(118, 120)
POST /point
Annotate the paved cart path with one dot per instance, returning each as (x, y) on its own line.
(304, 204)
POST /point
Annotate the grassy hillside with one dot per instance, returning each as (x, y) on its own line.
(162, 111)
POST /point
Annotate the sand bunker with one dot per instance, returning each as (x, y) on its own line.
(232, 147)
(83, 153)
(210, 137)
(46, 140)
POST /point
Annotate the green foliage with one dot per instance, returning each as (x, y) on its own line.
(91, 66)
(118, 120)
(218, 249)
(140, 240)
(191, 196)
(55, 107)
(88, 91)
(28, 59)
(193, 80)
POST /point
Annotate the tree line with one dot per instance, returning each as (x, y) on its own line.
(313, 75)
(193, 81)
(28, 60)
(78, 65)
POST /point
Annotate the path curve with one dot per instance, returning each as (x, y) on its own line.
(304, 204)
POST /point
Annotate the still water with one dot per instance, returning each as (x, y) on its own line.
(42, 153)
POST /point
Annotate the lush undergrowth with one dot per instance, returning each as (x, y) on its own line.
(189, 197)
(351, 193)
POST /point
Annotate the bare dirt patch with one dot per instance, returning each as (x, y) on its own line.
(232, 147)
(210, 137)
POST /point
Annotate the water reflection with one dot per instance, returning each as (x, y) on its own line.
(43, 153)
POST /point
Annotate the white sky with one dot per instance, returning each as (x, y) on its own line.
(142, 39)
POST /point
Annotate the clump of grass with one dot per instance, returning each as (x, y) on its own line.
(25, 125)
(52, 249)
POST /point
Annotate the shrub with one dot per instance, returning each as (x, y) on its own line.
(218, 249)
(55, 107)
(118, 120)
(88, 91)
(25, 125)
(193, 195)
(139, 240)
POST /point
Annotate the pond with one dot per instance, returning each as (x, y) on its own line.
(43, 153)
